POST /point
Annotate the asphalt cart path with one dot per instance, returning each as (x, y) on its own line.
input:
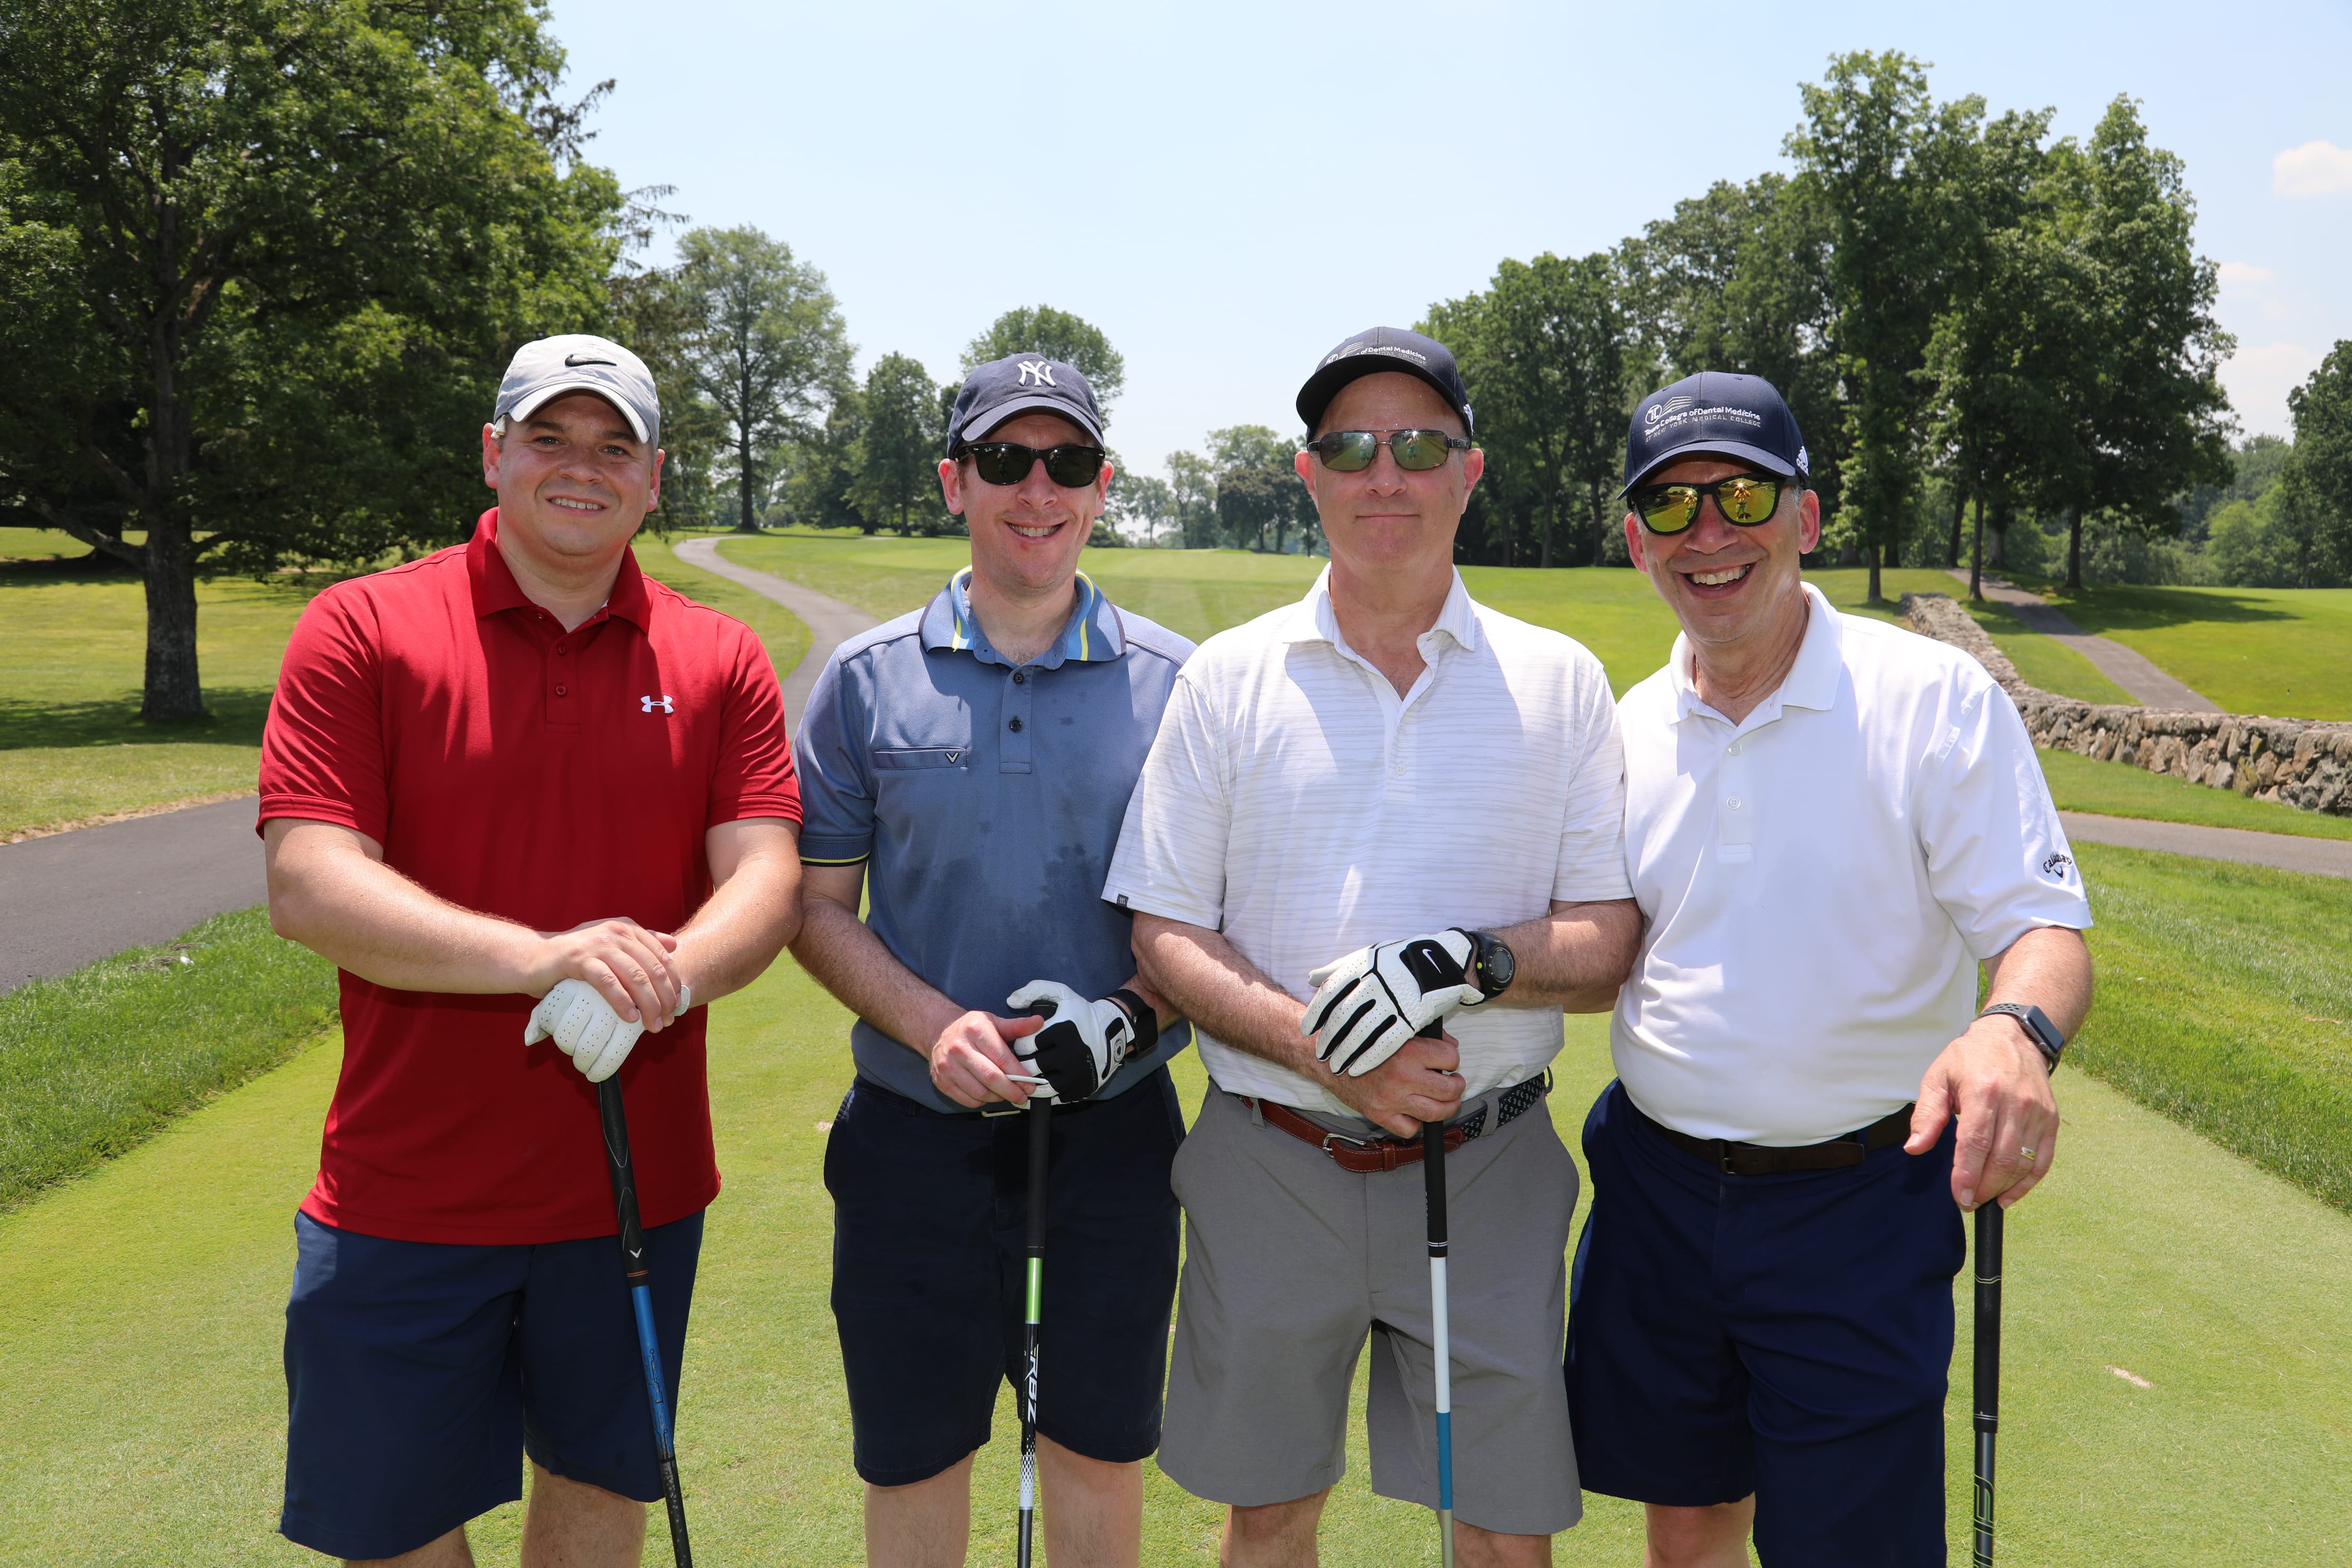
(830, 622)
(2325, 856)
(2127, 666)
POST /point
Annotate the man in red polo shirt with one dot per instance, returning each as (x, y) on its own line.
(514, 769)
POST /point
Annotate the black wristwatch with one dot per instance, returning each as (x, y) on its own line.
(1492, 967)
(2038, 1027)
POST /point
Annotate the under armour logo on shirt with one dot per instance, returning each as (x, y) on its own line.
(665, 703)
(1037, 370)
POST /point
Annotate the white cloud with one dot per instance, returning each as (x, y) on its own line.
(2257, 380)
(2314, 169)
(2237, 273)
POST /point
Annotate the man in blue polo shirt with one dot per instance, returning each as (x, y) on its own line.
(968, 767)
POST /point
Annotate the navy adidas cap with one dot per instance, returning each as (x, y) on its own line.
(1715, 411)
(1384, 349)
(1016, 384)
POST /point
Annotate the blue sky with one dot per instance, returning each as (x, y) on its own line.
(1228, 189)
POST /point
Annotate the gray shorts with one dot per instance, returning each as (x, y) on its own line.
(1290, 1261)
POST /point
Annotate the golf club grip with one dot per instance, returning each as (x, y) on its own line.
(1987, 1374)
(638, 1273)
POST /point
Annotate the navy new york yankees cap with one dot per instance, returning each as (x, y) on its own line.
(1016, 384)
(1384, 349)
(1715, 411)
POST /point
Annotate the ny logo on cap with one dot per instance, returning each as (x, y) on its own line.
(665, 703)
(1037, 370)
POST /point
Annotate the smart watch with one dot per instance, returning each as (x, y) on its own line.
(1492, 965)
(2037, 1026)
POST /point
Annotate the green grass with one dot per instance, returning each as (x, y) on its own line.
(2225, 1003)
(72, 653)
(148, 1409)
(96, 1062)
(2287, 652)
(2118, 789)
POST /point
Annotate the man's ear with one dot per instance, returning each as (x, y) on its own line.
(952, 486)
(1634, 541)
(654, 501)
(1809, 523)
(490, 456)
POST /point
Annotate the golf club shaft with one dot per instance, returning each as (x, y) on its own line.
(1988, 1372)
(633, 1266)
(1432, 1176)
(1041, 1111)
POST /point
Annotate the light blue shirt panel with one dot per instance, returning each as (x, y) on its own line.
(987, 846)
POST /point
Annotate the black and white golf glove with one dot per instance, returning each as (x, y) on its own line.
(1368, 1004)
(1083, 1042)
(587, 1028)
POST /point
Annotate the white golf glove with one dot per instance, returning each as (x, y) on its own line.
(1086, 1041)
(1368, 1004)
(587, 1028)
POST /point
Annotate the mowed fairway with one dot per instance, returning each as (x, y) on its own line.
(2282, 651)
(147, 1406)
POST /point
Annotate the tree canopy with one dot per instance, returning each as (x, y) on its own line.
(1056, 335)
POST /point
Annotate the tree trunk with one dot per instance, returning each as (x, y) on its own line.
(1876, 551)
(1551, 505)
(1976, 556)
(744, 519)
(1959, 506)
(2074, 548)
(173, 690)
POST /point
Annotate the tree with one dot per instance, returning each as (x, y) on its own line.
(1145, 504)
(2144, 415)
(1258, 496)
(898, 451)
(765, 345)
(822, 470)
(1193, 484)
(261, 264)
(2322, 466)
(1056, 335)
(1875, 154)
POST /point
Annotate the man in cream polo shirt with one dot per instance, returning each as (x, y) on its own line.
(1831, 824)
(1399, 796)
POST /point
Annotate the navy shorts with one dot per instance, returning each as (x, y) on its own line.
(1787, 1335)
(417, 1373)
(930, 1235)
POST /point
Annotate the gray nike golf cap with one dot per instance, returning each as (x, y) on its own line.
(579, 361)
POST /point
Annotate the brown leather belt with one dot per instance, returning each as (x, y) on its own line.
(1763, 1160)
(1366, 1156)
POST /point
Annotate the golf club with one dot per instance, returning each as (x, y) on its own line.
(641, 1297)
(1988, 1372)
(1432, 1174)
(1040, 1118)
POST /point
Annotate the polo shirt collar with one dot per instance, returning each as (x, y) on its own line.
(1092, 634)
(495, 588)
(1812, 682)
(1314, 619)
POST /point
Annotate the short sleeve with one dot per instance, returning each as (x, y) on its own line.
(1592, 867)
(837, 785)
(1998, 859)
(1170, 859)
(755, 776)
(322, 753)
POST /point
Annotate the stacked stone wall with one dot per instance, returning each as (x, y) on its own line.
(2297, 761)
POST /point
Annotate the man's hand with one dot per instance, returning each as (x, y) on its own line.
(586, 1028)
(1996, 1080)
(1418, 1082)
(1082, 1043)
(1368, 1004)
(625, 963)
(971, 1058)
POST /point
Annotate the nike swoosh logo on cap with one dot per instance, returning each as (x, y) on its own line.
(574, 362)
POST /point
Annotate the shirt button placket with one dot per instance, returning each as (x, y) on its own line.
(1019, 689)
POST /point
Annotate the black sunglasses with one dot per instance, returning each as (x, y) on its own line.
(1073, 467)
(1746, 499)
(1351, 451)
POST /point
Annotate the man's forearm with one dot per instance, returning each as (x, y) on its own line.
(1204, 978)
(744, 924)
(849, 961)
(1575, 958)
(2049, 967)
(362, 916)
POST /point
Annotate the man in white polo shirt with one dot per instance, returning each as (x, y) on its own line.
(1399, 796)
(1831, 824)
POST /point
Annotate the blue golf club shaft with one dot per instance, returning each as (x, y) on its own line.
(635, 1267)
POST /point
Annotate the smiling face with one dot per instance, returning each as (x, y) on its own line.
(1728, 586)
(1025, 538)
(573, 481)
(1383, 521)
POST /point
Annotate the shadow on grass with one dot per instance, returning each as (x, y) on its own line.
(234, 718)
(2103, 606)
